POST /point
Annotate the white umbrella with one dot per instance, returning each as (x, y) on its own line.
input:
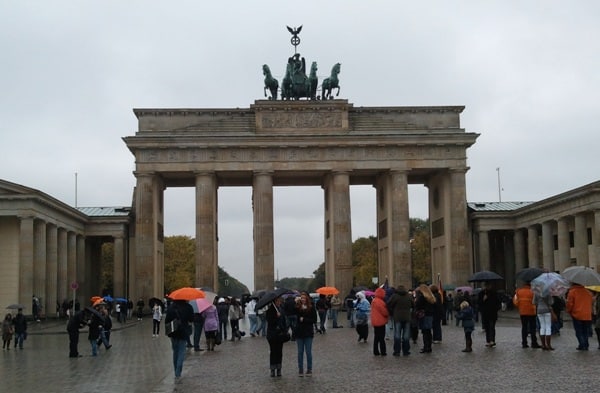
(581, 275)
(552, 284)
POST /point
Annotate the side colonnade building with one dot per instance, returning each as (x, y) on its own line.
(554, 233)
(52, 251)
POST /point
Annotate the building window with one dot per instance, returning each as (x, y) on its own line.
(589, 235)
(571, 239)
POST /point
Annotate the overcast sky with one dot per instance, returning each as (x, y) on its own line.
(72, 71)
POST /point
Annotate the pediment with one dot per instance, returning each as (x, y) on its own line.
(8, 188)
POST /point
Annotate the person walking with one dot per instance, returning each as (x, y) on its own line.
(105, 328)
(438, 314)
(543, 306)
(275, 324)
(489, 304)
(400, 305)
(20, 328)
(579, 306)
(425, 306)
(235, 314)
(322, 307)
(306, 316)
(182, 310)
(379, 319)
(7, 331)
(466, 316)
(140, 309)
(156, 318)
(523, 300)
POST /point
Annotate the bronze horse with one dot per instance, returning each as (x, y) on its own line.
(331, 83)
(270, 83)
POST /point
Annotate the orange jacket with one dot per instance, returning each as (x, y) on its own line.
(379, 311)
(579, 303)
(524, 300)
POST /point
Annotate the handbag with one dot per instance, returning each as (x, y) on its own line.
(283, 335)
(420, 314)
(173, 327)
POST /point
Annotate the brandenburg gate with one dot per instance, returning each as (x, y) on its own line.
(328, 143)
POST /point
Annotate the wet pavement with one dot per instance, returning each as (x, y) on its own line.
(137, 362)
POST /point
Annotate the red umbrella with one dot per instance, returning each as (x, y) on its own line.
(327, 291)
(186, 293)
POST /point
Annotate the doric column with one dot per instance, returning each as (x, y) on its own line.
(26, 242)
(519, 240)
(206, 231)
(581, 241)
(484, 250)
(85, 287)
(339, 269)
(548, 245)
(262, 208)
(51, 269)
(459, 254)
(564, 245)
(119, 267)
(533, 246)
(147, 272)
(596, 241)
(39, 263)
(401, 269)
(63, 281)
(71, 257)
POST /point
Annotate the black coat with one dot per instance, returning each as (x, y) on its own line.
(304, 328)
(489, 304)
(185, 313)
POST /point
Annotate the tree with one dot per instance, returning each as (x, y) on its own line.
(421, 257)
(364, 260)
(179, 262)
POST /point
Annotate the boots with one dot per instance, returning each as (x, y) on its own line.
(469, 345)
(598, 335)
(548, 343)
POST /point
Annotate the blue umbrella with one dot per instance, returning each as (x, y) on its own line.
(108, 298)
(121, 300)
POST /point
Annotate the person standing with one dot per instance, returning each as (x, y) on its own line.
(211, 326)
(579, 306)
(289, 307)
(140, 309)
(252, 318)
(543, 306)
(438, 315)
(156, 318)
(400, 305)
(336, 305)
(466, 316)
(7, 331)
(182, 310)
(322, 308)
(235, 314)
(275, 324)
(350, 308)
(306, 319)
(489, 304)
(379, 319)
(523, 300)
(75, 323)
(20, 328)
(362, 309)
(425, 306)
(223, 310)
(105, 329)
(198, 323)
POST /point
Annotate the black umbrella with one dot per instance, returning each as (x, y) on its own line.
(154, 300)
(270, 296)
(485, 275)
(529, 273)
(93, 311)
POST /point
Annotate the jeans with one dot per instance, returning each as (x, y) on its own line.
(197, 334)
(304, 345)
(178, 346)
(94, 343)
(582, 332)
(155, 326)
(223, 329)
(528, 327)
(402, 337)
(103, 338)
(19, 338)
(322, 319)
(253, 319)
(262, 327)
(333, 314)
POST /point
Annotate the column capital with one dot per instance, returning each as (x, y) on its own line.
(463, 169)
(139, 174)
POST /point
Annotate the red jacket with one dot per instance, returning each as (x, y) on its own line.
(579, 303)
(379, 311)
(524, 300)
